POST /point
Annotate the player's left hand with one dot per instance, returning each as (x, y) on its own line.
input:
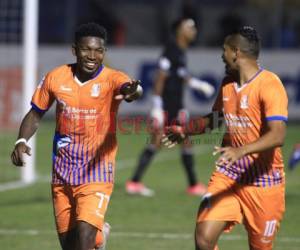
(173, 135)
(229, 155)
(130, 91)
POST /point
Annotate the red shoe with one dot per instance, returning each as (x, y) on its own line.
(138, 188)
(197, 190)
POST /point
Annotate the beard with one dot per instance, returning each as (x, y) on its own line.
(230, 71)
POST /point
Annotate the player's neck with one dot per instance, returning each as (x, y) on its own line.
(248, 73)
(182, 42)
(82, 76)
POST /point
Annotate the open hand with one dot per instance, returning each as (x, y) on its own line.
(229, 155)
(17, 157)
(130, 91)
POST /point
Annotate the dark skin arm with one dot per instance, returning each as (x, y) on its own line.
(274, 137)
(159, 83)
(176, 134)
(210, 122)
(29, 126)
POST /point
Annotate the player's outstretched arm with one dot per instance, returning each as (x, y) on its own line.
(28, 127)
(174, 135)
(130, 91)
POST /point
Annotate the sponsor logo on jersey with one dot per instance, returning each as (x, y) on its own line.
(64, 88)
(63, 142)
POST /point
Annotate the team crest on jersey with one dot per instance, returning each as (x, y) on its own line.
(95, 90)
(244, 102)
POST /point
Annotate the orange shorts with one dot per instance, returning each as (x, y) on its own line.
(259, 208)
(87, 202)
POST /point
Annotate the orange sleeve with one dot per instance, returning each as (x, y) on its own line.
(274, 100)
(43, 96)
(119, 78)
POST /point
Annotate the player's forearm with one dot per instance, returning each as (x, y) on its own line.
(159, 83)
(200, 125)
(268, 141)
(214, 120)
(158, 87)
(196, 126)
(29, 124)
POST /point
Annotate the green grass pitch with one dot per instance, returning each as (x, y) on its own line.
(163, 222)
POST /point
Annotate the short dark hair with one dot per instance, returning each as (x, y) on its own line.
(246, 39)
(176, 24)
(90, 29)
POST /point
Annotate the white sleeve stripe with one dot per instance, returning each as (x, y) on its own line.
(164, 63)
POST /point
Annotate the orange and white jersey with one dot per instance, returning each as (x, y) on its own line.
(84, 145)
(246, 110)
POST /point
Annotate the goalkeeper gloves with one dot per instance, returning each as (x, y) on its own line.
(202, 86)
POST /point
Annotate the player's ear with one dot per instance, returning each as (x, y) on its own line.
(234, 58)
(74, 49)
(237, 53)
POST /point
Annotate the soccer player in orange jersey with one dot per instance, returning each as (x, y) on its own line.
(248, 183)
(87, 96)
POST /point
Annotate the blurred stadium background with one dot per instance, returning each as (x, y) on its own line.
(137, 30)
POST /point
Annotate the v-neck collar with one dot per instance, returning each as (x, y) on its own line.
(93, 77)
(239, 89)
